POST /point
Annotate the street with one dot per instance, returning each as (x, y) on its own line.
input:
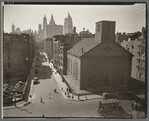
(57, 105)
(45, 102)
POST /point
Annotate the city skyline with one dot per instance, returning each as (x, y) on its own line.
(83, 16)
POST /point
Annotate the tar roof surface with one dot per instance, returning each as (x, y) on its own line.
(86, 44)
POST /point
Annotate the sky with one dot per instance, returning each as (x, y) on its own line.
(129, 18)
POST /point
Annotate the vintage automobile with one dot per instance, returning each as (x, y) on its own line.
(109, 96)
(140, 103)
(36, 80)
(108, 105)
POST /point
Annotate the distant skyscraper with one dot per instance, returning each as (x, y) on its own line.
(68, 25)
(52, 22)
(45, 27)
(49, 30)
(53, 29)
(13, 28)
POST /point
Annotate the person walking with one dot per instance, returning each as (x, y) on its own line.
(55, 90)
(41, 100)
(49, 95)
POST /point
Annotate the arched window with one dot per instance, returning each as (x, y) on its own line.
(73, 68)
(68, 63)
(76, 70)
(106, 81)
(99, 81)
(89, 81)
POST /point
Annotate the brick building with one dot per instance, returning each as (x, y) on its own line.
(18, 54)
(142, 68)
(137, 48)
(61, 44)
(48, 47)
(99, 64)
(120, 37)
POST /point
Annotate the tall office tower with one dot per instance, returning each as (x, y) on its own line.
(68, 25)
(45, 27)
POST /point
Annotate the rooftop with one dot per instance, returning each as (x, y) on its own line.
(83, 46)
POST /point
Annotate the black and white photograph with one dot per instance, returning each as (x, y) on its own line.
(70, 61)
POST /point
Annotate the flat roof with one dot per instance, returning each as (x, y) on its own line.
(105, 21)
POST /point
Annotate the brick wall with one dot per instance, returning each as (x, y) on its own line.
(100, 69)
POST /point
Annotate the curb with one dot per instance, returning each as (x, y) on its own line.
(21, 105)
(74, 95)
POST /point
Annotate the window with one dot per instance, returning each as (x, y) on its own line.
(68, 64)
(71, 66)
(9, 65)
(76, 70)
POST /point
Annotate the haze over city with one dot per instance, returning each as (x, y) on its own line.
(75, 61)
(129, 18)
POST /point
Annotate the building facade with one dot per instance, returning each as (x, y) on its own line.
(51, 29)
(18, 55)
(68, 25)
(137, 48)
(61, 44)
(48, 47)
(142, 68)
(100, 64)
(120, 37)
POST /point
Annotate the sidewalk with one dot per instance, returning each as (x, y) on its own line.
(18, 104)
(64, 87)
(71, 96)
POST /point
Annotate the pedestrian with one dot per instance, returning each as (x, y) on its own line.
(86, 97)
(41, 100)
(55, 90)
(15, 104)
(72, 97)
(49, 95)
(78, 97)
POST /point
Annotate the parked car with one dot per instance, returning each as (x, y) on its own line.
(109, 96)
(140, 103)
(36, 80)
